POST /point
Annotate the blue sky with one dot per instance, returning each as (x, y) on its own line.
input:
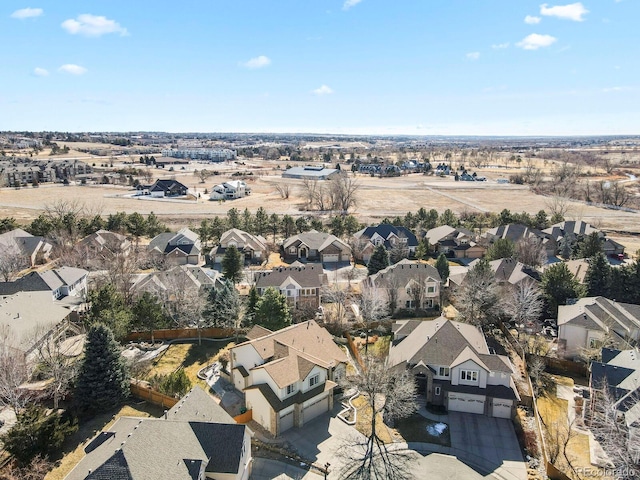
(422, 67)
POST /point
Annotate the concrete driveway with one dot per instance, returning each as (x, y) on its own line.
(481, 447)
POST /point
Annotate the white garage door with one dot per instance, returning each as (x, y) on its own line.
(501, 408)
(333, 257)
(286, 421)
(315, 409)
(461, 402)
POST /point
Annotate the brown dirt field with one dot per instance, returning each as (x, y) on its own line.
(378, 197)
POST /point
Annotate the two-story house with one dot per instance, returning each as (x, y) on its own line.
(316, 246)
(407, 284)
(301, 284)
(592, 322)
(288, 376)
(454, 367)
(454, 242)
(517, 232)
(230, 190)
(254, 247)
(393, 238)
(179, 248)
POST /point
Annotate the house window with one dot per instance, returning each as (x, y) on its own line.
(593, 343)
(292, 250)
(314, 380)
(431, 289)
(291, 389)
(436, 391)
(469, 375)
(443, 371)
(409, 304)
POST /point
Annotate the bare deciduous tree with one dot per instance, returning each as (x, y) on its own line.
(477, 299)
(558, 205)
(531, 251)
(343, 192)
(524, 303)
(12, 261)
(389, 395)
(13, 372)
(284, 190)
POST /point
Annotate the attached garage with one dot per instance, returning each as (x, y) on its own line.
(501, 408)
(465, 402)
(316, 408)
(286, 421)
(330, 257)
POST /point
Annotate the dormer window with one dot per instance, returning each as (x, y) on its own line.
(313, 381)
(443, 371)
(469, 375)
(291, 389)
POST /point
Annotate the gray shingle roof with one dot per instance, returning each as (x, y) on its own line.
(310, 275)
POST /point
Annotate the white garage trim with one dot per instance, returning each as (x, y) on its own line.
(465, 402)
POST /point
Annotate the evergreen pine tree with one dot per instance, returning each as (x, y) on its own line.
(103, 381)
(379, 260)
(598, 278)
(232, 264)
(272, 311)
(223, 306)
(442, 265)
(252, 302)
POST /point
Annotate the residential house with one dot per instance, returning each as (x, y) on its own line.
(167, 188)
(195, 440)
(179, 248)
(516, 232)
(592, 322)
(407, 284)
(311, 173)
(180, 278)
(34, 250)
(399, 239)
(617, 375)
(230, 190)
(454, 242)
(570, 232)
(316, 247)
(58, 283)
(103, 246)
(454, 367)
(31, 316)
(254, 247)
(288, 376)
(509, 271)
(301, 284)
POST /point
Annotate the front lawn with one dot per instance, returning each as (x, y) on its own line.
(363, 420)
(417, 428)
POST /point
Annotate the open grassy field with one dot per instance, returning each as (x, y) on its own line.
(377, 197)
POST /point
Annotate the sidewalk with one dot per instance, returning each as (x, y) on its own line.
(265, 469)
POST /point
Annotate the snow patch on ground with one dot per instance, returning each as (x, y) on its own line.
(437, 429)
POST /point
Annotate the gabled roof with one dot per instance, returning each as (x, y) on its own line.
(184, 276)
(562, 229)
(166, 243)
(387, 231)
(516, 232)
(600, 313)
(175, 448)
(510, 271)
(167, 186)
(316, 240)
(244, 239)
(403, 272)
(47, 281)
(310, 275)
(446, 342)
(308, 340)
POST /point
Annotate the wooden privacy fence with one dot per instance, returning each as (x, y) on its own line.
(178, 333)
(143, 392)
(245, 417)
(354, 349)
(562, 365)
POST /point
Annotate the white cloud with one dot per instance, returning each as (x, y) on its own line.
(27, 13)
(536, 41)
(72, 69)
(93, 26)
(323, 90)
(500, 46)
(531, 20)
(473, 55)
(573, 11)
(257, 62)
(616, 89)
(40, 72)
(350, 3)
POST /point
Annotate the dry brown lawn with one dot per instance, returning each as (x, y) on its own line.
(363, 420)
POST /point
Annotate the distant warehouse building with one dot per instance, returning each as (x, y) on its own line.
(211, 154)
(311, 173)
